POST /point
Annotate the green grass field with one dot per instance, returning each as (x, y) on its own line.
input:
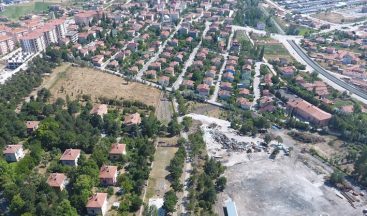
(16, 11)
(276, 49)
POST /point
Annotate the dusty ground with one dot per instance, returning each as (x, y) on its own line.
(288, 186)
(164, 110)
(206, 109)
(158, 185)
(342, 16)
(76, 82)
(282, 187)
(329, 16)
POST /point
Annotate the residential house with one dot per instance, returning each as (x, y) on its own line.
(189, 84)
(226, 86)
(108, 175)
(210, 73)
(155, 66)
(132, 119)
(287, 71)
(57, 181)
(151, 74)
(99, 109)
(97, 204)
(244, 92)
(117, 150)
(244, 103)
(98, 60)
(224, 94)
(203, 89)
(230, 69)
(32, 126)
(228, 77)
(208, 81)
(13, 153)
(164, 81)
(70, 157)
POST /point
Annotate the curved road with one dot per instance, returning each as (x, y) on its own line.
(326, 74)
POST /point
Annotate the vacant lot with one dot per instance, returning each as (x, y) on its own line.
(76, 82)
(206, 109)
(346, 16)
(16, 11)
(274, 51)
(164, 110)
(282, 187)
(158, 184)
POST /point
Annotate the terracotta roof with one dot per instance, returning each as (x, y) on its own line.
(118, 148)
(97, 200)
(70, 154)
(132, 119)
(32, 124)
(203, 87)
(11, 149)
(310, 109)
(56, 179)
(33, 35)
(4, 38)
(99, 109)
(107, 171)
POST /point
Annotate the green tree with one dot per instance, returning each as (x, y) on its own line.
(337, 177)
(65, 209)
(220, 183)
(187, 122)
(170, 200)
(279, 139)
(174, 127)
(267, 138)
(135, 204)
(17, 204)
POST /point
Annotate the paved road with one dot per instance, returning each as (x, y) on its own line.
(325, 73)
(189, 62)
(160, 50)
(214, 97)
(277, 26)
(256, 84)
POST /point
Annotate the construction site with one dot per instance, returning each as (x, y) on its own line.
(292, 183)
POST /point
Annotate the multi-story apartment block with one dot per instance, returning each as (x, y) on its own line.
(33, 42)
(6, 44)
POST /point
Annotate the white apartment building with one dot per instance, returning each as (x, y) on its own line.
(33, 42)
(6, 44)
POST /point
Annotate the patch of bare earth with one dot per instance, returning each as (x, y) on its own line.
(158, 185)
(77, 81)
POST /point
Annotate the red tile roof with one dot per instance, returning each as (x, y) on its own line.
(56, 179)
(97, 200)
(107, 171)
(70, 154)
(32, 124)
(11, 149)
(118, 148)
(132, 119)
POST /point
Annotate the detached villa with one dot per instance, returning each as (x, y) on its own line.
(97, 204)
(13, 153)
(70, 157)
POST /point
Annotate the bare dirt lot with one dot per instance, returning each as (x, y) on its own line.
(76, 81)
(282, 187)
(206, 109)
(158, 185)
(346, 16)
(164, 110)
(287, 185)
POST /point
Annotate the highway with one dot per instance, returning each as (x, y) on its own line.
(326, 74)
